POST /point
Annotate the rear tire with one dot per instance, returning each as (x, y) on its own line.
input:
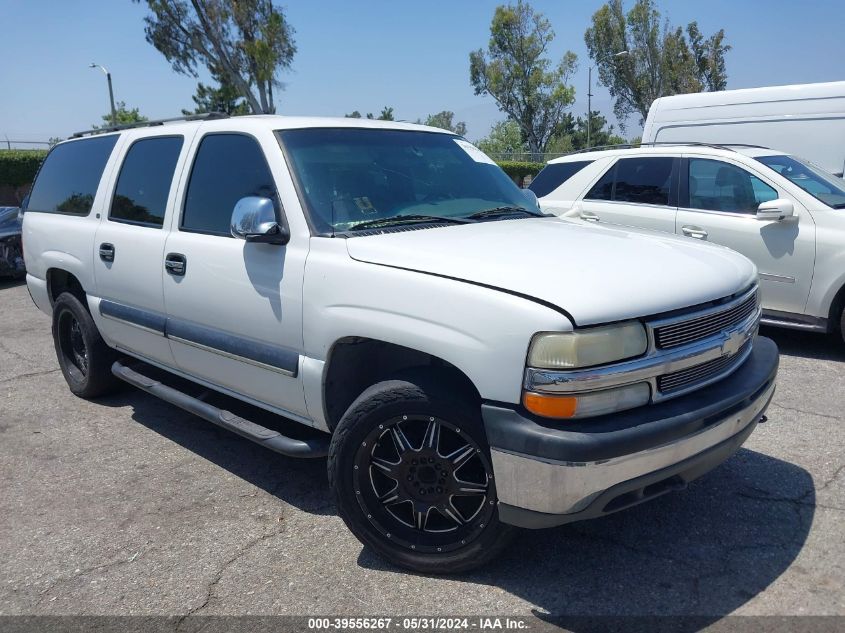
(420, 442)
(83, 356)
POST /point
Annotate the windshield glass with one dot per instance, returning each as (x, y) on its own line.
(352, 176)
(815, 181)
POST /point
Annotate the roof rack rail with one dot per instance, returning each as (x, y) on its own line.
(206, 116)
(727, 146)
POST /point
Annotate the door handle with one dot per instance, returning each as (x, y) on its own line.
(175, 264)
(589, 216)
(107, 252)
(694, 231)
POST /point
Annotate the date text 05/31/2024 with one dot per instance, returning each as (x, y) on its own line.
(481, 623)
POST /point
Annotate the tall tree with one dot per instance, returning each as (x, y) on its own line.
(504, 139)
(223, 98)
(443, 120)
(247, 42)
(660, 60)
(515, 72)
(573, 135)
(123, 115)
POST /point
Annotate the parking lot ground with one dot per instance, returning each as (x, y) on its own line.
(130, 506)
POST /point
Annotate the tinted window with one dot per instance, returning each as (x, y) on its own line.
(718, 186)
(227, 167)
(68, 179)
(819, 184)
(144, 181)
(554, 175)
(603, 189)
(644, 180)
(351, 177)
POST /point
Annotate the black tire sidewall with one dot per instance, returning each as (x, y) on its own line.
(98, 380)
(387, 400)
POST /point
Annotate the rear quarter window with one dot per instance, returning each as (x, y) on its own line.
(554, 175)
(67, 181)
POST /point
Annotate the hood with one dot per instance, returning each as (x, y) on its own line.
(594, 273)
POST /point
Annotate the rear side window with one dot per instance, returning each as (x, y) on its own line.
(644, 180)
(227, 167)
(636, 180)
(70, 175)
(554, 175)
(144, 181)
(603, 189)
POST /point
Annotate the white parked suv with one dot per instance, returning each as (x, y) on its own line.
(467, 363)
(783, 213)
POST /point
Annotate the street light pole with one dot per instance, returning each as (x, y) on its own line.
(111, 93)
(590, 92)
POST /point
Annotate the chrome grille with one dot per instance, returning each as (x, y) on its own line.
(699, 328)
(699, 374)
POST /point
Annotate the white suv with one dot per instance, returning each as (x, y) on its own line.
(390, 289)
(783, 213)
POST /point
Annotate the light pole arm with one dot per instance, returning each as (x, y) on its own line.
(111, 92)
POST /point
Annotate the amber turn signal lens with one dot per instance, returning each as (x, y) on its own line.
(550, 406)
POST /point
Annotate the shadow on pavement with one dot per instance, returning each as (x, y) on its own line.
(299, 482)
(701, 552)
(807, 344)
(704, 551)
(11, 282)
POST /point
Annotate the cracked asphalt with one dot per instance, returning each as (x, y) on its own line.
(130, 506)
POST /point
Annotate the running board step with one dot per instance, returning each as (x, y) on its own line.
(268, 438)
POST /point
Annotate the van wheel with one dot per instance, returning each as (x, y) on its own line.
(83, 356)
(410, 470)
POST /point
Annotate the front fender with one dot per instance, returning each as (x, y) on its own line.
(483, 332)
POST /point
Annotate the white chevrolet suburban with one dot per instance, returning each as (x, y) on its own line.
(467, 363)
(780, 211)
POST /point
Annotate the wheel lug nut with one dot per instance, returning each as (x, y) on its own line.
(439, 490)
(414, 462)
(410, 478)
(422, 491)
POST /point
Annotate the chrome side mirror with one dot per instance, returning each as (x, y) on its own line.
(776, 210)
(254, 220)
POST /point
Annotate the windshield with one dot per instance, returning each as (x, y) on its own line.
(353, 177)
(815, 181)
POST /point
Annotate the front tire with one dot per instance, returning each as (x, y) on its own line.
(83, 356)
(410, 470)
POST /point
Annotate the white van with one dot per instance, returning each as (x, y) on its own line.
(807, 120)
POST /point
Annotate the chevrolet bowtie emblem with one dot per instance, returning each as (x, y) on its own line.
(733, 341)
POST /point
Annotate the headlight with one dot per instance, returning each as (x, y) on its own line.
(586, 348)
(587, 404)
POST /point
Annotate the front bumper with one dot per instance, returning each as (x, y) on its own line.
(548, 476)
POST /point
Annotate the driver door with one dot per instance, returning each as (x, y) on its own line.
(234, 308)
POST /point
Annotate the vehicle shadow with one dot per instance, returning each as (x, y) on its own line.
(695, 555)
(806, 344)
(698, 554)
(299, 482)
(11, 282)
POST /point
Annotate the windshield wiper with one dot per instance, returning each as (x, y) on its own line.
(407, 219)
(504, 210)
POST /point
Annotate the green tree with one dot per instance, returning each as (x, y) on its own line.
(444, 120)
(660, 60)
(247, 42)
(515, 72)
(504, 139)
(573, 135)
(386, 114)
(124, 116)
(224, 98)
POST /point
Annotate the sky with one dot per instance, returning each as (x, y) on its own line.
(364, 55)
